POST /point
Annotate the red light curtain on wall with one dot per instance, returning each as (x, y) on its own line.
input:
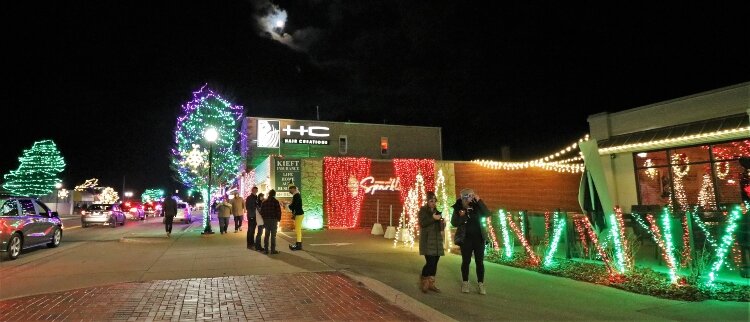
(406, 171)
(343, 195)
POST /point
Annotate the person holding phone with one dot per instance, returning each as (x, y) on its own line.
(471, 211)
(431, 225)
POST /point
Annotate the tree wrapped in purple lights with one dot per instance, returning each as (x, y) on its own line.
(190, 152)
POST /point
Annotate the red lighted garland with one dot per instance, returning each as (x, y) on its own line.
(343, 195)
(524, 242)
(581, 235)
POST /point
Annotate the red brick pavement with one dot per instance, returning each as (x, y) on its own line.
(326, 296)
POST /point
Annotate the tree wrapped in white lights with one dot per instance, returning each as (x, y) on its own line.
(408, 224)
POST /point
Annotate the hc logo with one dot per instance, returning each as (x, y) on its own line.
(310, 130)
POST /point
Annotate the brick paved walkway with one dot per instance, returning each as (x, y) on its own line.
(325, 296)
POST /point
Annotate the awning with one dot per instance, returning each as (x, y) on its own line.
(724, 128)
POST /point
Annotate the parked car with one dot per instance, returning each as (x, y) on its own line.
(27, 222)
(133, 210)
(105, 214)
(152, 208)
(183, 212)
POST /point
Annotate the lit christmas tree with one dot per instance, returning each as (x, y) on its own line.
(189, 157)
(152, 194)
(37, 173)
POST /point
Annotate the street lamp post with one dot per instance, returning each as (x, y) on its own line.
(57, 193)
(210, 135)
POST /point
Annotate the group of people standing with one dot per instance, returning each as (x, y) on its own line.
(468, 213)
(263, 215)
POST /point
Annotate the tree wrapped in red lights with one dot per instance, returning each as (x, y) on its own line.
(344, 196)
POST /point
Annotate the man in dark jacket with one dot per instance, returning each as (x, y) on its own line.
(251, 206)
(297, 216)
(169, 207)
(270, 210)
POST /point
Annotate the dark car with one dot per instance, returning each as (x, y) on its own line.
(133, 210)
(26, 222)
(105, 214)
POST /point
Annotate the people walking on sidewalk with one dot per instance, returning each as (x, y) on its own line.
(260, 224)
(297, 216)
(170, 210)
(270, 210)
(431, 225)
(470, 211)
(251, 206)
(225, 210)
(238, 211)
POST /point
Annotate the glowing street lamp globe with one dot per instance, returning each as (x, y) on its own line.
(211, 134)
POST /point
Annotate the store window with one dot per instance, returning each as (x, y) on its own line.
(343, 144)
(706, 176)
(383, 145)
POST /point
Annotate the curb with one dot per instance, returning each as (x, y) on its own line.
(398, 298)
(144, 239)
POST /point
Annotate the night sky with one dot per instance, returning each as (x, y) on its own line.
(106, 79)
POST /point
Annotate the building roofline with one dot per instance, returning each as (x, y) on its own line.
(683, 98)
(349, 123)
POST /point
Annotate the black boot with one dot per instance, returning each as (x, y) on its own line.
(299, 246)
(292, 247)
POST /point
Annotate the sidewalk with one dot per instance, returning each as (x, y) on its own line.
(340, 275)
(146, 276)
(326, 296)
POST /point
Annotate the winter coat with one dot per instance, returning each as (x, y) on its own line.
(225, 209)
(430, 233)
(169, 207)
(296, 205)
(238, 206)
(270, 210)
(252, 205)
(474, 219)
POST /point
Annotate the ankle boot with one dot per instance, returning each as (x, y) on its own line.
(299, 246)
(425, 284)
(292, 247)
(431, 285)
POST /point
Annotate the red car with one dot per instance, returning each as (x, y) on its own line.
(133, 210)
(152, 208)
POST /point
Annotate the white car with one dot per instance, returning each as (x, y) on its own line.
(183, 212)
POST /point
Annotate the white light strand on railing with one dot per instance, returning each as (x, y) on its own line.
(672, 141)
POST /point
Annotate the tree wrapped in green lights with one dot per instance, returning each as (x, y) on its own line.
(190, 157)
(152, 194)
(37, 172)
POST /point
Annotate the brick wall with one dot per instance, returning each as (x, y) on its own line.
(527, 189)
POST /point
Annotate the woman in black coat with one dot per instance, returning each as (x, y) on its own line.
(430, 241)
(470, 212)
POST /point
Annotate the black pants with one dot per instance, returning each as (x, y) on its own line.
(168, 223)
(270, 227)
(250, 232)
(258, 236)
(430, 266)
(238, 222)
(473, 245)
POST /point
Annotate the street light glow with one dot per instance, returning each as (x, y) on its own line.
(211, 134)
